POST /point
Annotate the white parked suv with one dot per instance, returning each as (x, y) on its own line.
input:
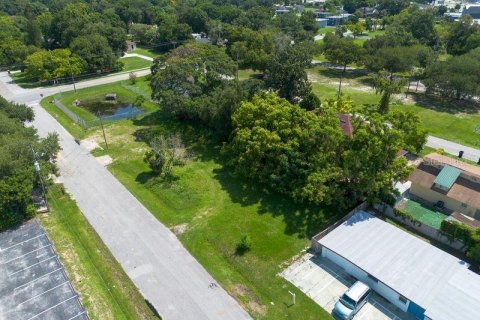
(351, 301)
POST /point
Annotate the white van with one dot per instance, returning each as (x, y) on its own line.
(351, 301)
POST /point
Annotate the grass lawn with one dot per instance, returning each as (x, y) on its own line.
(105, 290)
(149, 52)
(125, 91)
(447, 119)
(211, 210)
(135, 63)
(324, 30)
(423, 214)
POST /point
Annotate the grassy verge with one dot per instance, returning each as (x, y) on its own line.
(105, 290)
(149, 52)
(135, 63)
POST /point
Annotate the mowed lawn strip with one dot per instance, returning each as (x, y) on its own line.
(135, 63)
(105, 290)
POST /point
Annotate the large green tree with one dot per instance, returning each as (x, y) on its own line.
(16, 162)
(286, 72)
(48, 65)
(342, 51)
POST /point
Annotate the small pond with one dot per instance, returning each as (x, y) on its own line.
(114, 110)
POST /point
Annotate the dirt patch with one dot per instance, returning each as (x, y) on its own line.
(204, 213)
(248, 299)
(89, 144)
(179, 229)
(104, 160)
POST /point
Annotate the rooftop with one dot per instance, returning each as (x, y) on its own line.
(447, 176)
(438, 159)
(462, 190)
(437, 281)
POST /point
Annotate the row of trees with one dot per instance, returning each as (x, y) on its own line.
(286, 139)
(17, 143)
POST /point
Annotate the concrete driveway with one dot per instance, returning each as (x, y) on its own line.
(325, 282)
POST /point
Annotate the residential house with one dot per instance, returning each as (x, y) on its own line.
(415, 276)
(447, 183)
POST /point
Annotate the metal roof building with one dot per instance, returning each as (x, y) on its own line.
(412, 274)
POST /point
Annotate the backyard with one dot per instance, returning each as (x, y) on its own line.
(210, 211)
(423, 213)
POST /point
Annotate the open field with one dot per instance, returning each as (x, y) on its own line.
(149, 52)
(135, 63)
(105, 290)
(449, 119)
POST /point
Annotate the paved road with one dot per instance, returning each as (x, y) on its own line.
(454, 148)
(164, 271)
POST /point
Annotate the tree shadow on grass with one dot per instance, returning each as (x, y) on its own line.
(301, 219)
(437, 103)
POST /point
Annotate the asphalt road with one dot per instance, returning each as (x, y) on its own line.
(163, 270)
(454, 148)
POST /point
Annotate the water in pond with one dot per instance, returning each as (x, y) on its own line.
(109, 110)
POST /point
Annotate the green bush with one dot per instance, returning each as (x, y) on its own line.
(454, 230)
(244, 246)
(405, 216)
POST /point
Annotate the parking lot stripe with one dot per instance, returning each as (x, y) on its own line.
(74, 296)
(17, 244)
(38, 295)
(11, 274)
(48, 245)
(376, 303)
(83, 312)
(29, 282)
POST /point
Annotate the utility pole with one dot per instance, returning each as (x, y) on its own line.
(71, 73)
(37, 169)
(103, 130)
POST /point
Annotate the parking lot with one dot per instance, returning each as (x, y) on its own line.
(325, 282)
(33, 283)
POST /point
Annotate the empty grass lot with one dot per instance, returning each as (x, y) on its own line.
(210, 210)
(453, 120)
(149, 52)
(135, 63)
(105, 290)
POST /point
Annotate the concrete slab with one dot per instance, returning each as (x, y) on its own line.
(325, 282)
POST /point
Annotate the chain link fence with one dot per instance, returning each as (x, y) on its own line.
(85, 124)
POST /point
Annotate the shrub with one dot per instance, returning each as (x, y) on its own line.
(132, 77)
(244, 246)
(405, 216)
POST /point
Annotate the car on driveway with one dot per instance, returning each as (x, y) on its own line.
(351, 301)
